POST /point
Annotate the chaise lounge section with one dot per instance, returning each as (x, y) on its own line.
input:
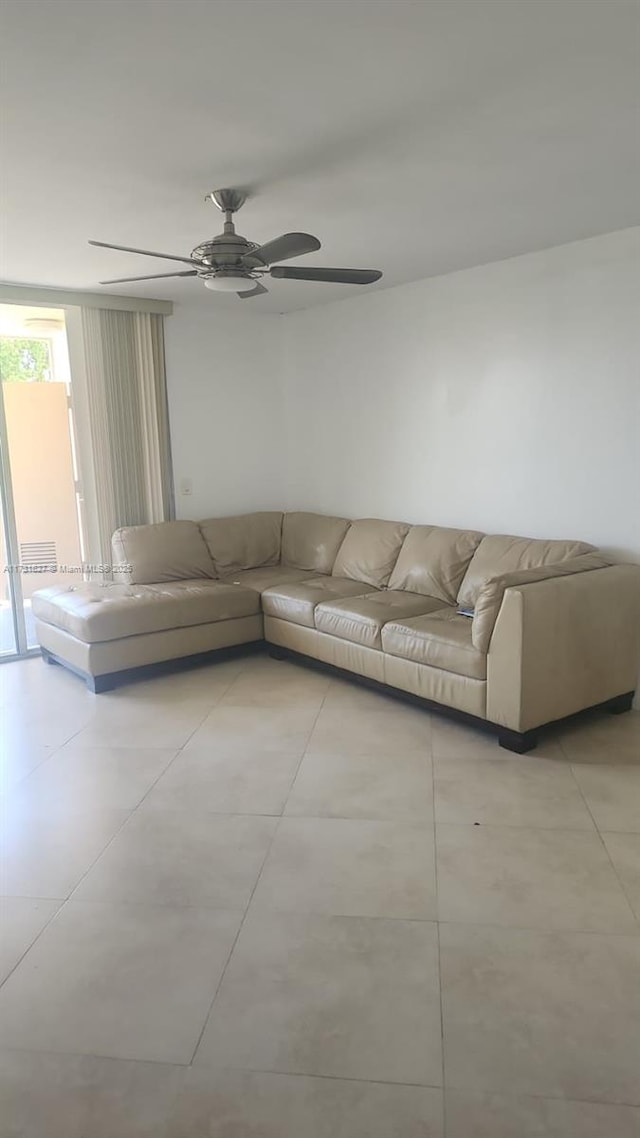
(554, 626)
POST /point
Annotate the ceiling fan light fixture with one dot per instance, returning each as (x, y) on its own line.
(44, 325)
(229, 282)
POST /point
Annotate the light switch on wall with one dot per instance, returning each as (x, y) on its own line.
(186, 486)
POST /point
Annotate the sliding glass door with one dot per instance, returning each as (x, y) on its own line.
(40, 541)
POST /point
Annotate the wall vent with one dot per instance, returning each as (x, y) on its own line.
(34, 554)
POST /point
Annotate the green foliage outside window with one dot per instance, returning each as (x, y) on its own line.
(24, 361)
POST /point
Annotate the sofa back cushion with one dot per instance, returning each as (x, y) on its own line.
(245, 541)
(168, 551)
(433, 561)
(311, 541)
(370, 551)
(499, 554)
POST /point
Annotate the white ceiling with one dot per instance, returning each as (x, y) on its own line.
(414, 136)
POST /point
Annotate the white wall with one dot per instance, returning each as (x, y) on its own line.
(505, 398)
(223, 378)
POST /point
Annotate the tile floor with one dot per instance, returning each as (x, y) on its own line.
(253, 900)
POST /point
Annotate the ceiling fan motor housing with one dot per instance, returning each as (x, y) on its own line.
(228, 254)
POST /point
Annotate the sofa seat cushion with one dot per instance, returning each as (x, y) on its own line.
(267, 577)
(442, 640)
(370, 551)
(361, 619)
(297, 602)
(94, 613)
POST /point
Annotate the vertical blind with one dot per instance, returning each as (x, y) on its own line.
(127, 421)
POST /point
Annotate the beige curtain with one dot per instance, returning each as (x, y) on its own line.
(126, 421)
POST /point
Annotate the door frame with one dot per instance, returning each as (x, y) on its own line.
(12, 547)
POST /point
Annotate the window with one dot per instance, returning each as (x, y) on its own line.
(25, 360)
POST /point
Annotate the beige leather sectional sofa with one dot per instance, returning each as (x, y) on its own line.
(555, 625)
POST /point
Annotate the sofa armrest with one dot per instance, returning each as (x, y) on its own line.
(563, 644)
(490, 597)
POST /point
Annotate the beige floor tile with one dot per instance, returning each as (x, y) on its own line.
(292, 686)
(541, 1013)
(79, 1096)
(322, 981)
(352, 731)
(350, 867)
(624, 851)
(38, 725)
(260, 728)
(255, 782)
(343, 996)
(247, 1104)
(612, 794)
(525, 792)
(18, 761)
(602, 738)
(80, 778)
(124, 981)
(364, 786)
(458, 741)
(474, 1115)
(121, 720)
(553, 879)
(47, 857)
(32, 686)
(207, 683)
(345, 693)
(27, 680)
(179, 858)
(22, 919)
(68, 696)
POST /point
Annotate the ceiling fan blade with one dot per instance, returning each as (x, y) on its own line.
(282, 248)
(340, 276)
(259, 288)
(153, 277)
(145, 252)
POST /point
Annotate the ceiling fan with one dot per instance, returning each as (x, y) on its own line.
(230, 263)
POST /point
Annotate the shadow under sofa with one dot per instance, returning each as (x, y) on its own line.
(555, 626)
